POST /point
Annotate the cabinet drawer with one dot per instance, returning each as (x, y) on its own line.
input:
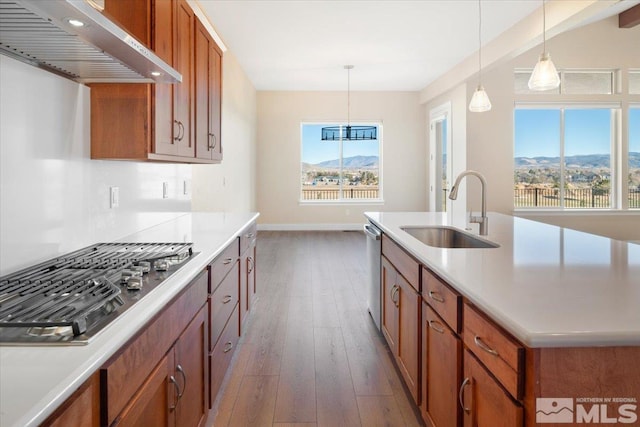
(222, 303)
(248, 235)
(221, 356)
(223, 264)
(501, 354)
(402, 261)
(444, 300)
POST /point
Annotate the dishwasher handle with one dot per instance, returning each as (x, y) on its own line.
(372, 232)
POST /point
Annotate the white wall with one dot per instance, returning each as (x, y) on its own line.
(231, 185)
(53, 198)
(278, 177)
(490, 135)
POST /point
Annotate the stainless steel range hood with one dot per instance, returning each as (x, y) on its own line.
(40, 32)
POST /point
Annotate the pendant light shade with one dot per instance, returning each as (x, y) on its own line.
(480, 100)
(544, 75)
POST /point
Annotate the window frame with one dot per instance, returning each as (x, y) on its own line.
(341, 200)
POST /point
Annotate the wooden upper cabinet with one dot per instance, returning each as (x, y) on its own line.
(153, 122)
(208, 91)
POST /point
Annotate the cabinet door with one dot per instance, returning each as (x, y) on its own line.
(183, 92)
(154, 403)
(244, 289)
(207, 95)
(215, 100)
(389, 309)
(442, 361)
(191, 372)
(82, 409)
(408, 338)
(251, 275)
(163, 43)
(485, 402)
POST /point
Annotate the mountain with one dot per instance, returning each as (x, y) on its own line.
(354, 162)
(581, 161)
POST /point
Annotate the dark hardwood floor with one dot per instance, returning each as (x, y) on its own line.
(311, 355)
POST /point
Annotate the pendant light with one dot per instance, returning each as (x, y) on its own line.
(480, 100)
(544, 76)
(348, 132)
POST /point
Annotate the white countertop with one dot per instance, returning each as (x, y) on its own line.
(34, 381)
(548, 286)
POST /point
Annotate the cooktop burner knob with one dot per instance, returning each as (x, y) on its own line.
(145, 266)
(161, 265)
(134, 283)
(138, 269)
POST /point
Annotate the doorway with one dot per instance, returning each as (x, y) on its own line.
(440, 155)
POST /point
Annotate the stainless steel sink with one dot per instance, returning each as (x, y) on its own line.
(448, 237)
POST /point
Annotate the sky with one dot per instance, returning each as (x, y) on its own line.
(537, 132)
(315, 151)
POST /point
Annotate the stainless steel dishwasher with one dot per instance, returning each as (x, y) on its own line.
(374, 250)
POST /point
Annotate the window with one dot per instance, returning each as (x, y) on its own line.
(563, 157)
(573, 82)
(339, 170)
(634, 158)
(634, 82)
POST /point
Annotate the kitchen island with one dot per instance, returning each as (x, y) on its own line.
(35, 380)
(550, 314)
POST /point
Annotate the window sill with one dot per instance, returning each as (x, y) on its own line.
(350, 202)
(574, 211)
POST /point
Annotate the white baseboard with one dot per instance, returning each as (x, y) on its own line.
(310, 227)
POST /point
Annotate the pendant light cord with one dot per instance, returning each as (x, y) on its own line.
(544, 29)
(348, 96)
(480, 42)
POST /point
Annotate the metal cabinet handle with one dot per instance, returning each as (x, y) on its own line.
(227, 261)
(227, 347)
(436, 326)
(226, 299)
(181, 130)
(394, 292)
(250, 267)
(215, 141)
(250, 235)
(172, 380)
(465, 383)
(436, 296)
(177, 137)
(184, 378)
(478, 341)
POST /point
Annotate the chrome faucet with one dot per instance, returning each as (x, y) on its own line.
(483, 220)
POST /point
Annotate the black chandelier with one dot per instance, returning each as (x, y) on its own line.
(348, 132)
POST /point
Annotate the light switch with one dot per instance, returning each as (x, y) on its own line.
(165, 190)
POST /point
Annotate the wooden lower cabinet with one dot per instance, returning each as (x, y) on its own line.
(220, 357)
(152, 403)
(175, 393)
(486, 403)
(82, 409)
(441, 371)
(400, 324)
(247, 283)
(192, 368)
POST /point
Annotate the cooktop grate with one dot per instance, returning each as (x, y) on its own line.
(72, 290)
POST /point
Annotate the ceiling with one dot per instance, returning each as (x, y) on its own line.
(394, 45)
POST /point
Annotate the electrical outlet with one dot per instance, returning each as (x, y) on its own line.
(165, 190)
(114, 197)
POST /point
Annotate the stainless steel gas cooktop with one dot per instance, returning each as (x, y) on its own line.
(70, 299)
